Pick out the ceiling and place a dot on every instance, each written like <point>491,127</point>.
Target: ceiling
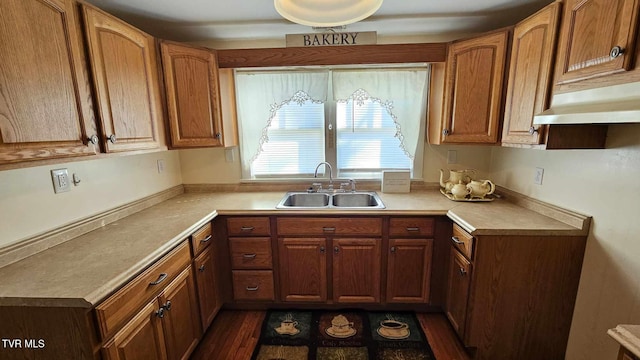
<point>221,20</point>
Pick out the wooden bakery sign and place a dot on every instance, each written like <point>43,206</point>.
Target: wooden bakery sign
<point>332,39</point>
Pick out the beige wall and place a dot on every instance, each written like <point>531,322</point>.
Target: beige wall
<point>606,185</point>
<point>28,205</point>
<point>209,166</point>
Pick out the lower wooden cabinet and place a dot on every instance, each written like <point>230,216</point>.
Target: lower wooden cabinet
<point>166,328</point>
<point>409,270</point>
<point>513,297</point>
<point>206,283</point>
<point>458,291</point>
<point>141,339</point>
<point>356,270</point>
<point>303,269</point>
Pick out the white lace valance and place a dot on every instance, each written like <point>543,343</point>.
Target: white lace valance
<point>262,93</point>
<point>401,92</point>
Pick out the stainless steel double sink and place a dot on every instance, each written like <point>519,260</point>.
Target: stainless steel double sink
<point>338,200</point>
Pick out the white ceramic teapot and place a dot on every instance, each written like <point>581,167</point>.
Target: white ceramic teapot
<point>460,191</point>
<point>480,188</point>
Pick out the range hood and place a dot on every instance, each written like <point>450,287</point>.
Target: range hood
<point>607,105</point>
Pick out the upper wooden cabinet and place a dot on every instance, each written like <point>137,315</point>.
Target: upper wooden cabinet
<point>45,98</point>
<point>193,95</point>
<point>597,39</point>
<point>473,87</point>
<point>124,67</point>
<point>529,86</point>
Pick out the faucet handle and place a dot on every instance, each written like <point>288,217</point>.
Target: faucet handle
<point>316,186</point>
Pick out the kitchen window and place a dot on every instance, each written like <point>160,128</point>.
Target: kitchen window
<point>362,121</point>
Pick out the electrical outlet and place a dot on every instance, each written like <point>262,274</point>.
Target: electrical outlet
<point>452,157</point>
<point>160,164</point>
<point>538,178</point>
<point>229,155</point>
<point>60,178</point>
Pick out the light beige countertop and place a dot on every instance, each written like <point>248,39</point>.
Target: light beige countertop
<point>83,271</point>
<point>627,336</point>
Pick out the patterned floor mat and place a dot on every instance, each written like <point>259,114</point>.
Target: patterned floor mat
<point>341,335</point>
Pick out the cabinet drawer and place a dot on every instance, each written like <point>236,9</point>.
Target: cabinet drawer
<point>253,285</point>
<point>463,241</point>
<point>411,227</point>
<point>121,306</point>
<point>329,226</point>
<point>250,253</point>
<point>248,226</point>
<point>201,238</point>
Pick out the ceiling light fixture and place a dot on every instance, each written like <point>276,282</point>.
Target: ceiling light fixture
<point>326,13</point>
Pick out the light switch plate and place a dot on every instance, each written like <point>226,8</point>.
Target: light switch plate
<point>538,178</point>
<point>61,182</point>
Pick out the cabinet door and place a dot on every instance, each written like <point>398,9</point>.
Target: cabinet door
<point>123,62</point>
<point>473,89</point>
<point>303,269</point>
<point>592,32</point>
<point>193,95</point>
<point>140,339</point>
<point>208,294</point>
<point>356,270</point>
<point>458,291</point>
<point>529,83</point>
<point>409,270</point>
<point>45,99</point>
<point>180,322</point>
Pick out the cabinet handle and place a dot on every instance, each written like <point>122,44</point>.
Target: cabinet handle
<point>209,237</point>
<point>393,249</point>
<point>249,256</point>
<point>336,249</point>
<point>445,132</point>
<point>413,229</point>
<point>322,249</point>
<point>201,268</point>
<point>247,228</point>
<point>112,138</point>
<point>218,136</point>
<point>93,139</point>
<point>160,313</point>
<point>616,51</point>
<point>328,229</point>
<point>457,240</point>
<point>533,130</point>
<point>159,280</point>
<point>463,272</point>
<point>167,305</point>
<point>255,288</point>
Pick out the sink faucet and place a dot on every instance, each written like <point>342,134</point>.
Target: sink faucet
<point>326,164</point>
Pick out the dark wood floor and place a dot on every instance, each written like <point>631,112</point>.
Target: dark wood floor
<point>234,334</point>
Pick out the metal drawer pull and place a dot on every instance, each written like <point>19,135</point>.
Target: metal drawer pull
<point>393,249</point>
<point>328,229</point>
<point>201,268</point>
<point>160,279</point>
<point>249,256</point>
<point>167,305</point>
<point>336,249</point>
<point>160,313</point>
<point>322,249</point>
<point>457,240</point>
<point>463,272</point>
<point>247,228</point>
<point>209,237</point>
<point>413,229</point>
<point>255,288</point>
